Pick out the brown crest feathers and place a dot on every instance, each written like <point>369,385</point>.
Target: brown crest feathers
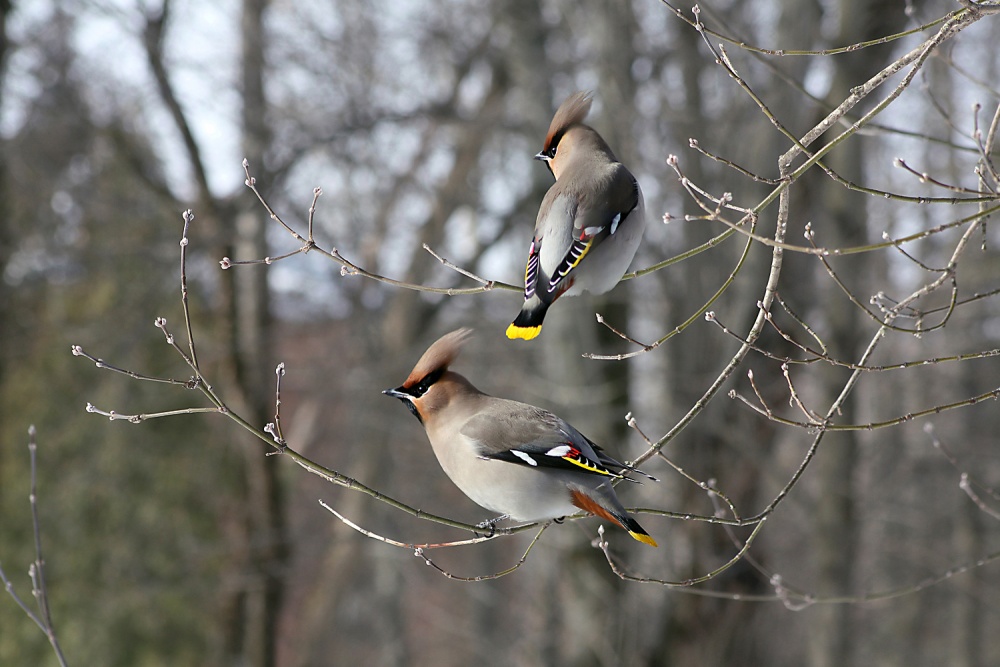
<point>572,111</point>
<point>439,355</point>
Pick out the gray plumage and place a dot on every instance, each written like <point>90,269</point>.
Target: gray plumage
<point>589,225</point>
<point>509,457</point>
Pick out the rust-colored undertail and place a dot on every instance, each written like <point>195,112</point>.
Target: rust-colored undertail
<point>588,504</point>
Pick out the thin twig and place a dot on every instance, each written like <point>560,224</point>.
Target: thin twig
<point>817,355</point>
<point>188,219</point>
<point>36,572</point>
<point>602,544</point>
<point>966,479</point>
<point>78,351</point>
<point>851,48</point>
<point>274,428</point>
<point>348,268</point>
<point>464,272</point>
<point>825,425</point>
<point>794,399</point>
<point>406,545</point>
<point>709,487</point>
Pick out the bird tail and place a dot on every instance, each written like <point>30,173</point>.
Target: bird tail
<point>589,503</point>
<point>528,322</point>
<point>636,531</point>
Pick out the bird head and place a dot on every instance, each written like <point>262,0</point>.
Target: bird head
<point>430,385</point>
<point>570,141</point>
<point>567,133</point>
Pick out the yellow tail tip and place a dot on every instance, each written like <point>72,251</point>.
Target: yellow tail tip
<point>645,539</point>
<point>526,333</point>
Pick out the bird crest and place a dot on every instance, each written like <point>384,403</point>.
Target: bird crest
<point>570,112</point>
<point>438,356</point>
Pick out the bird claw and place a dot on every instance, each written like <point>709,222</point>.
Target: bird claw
<point>491,524</point>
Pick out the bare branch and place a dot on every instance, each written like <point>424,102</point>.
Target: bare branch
<point>36,572</point>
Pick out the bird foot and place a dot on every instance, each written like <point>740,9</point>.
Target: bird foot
<point>491,524</point>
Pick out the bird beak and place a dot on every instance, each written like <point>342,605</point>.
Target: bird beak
<point>543,157</point>
<point>407,400</point>
<point>398,393</point>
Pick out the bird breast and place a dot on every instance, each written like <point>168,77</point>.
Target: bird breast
<point>525,493</point>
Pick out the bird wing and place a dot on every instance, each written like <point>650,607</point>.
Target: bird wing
<point>596,210</point>
<point>529,436</point>
<point>618,468</point>
<point>603,205</point>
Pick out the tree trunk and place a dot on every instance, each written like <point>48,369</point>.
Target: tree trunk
<point>246,301</point>
<point>840,216</point>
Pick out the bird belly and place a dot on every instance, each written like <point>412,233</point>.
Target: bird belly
<point>521,492</point>
<point>525,493</point>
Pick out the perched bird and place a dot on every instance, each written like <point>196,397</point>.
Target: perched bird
<point>590,222</point>
<point>512,458</point>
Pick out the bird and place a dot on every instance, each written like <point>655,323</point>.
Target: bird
<point>589,224</point>
<point>515,459</point>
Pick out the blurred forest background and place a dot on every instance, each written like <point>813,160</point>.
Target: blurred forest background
<point>176,541</point>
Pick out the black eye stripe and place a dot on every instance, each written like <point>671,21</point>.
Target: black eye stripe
<point>550,152</point>
<point>426,382</point>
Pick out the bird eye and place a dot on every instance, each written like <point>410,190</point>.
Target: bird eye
<point>426,383</point>
<point>551,153</point>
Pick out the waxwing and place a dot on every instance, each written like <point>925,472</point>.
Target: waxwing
<point>590,222</point>
<point>515,459</point>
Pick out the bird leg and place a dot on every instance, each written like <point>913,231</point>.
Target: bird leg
<point>492,524</point>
